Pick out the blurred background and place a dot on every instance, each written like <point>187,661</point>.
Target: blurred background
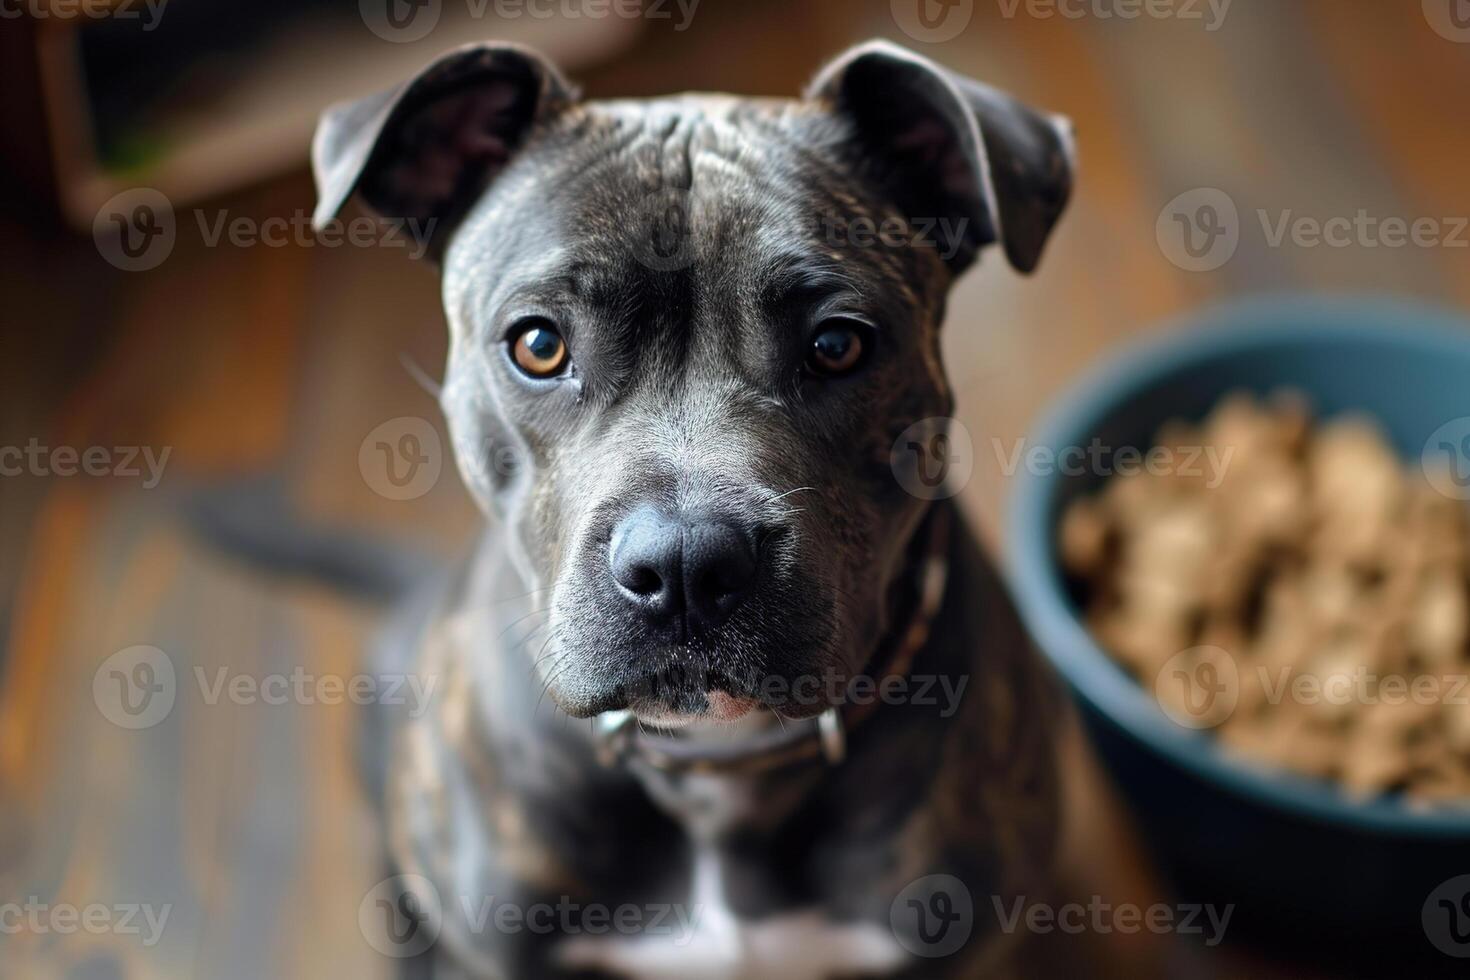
<point>267,360</point>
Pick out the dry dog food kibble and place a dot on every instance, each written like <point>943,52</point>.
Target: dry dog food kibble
<point>1315,586</point>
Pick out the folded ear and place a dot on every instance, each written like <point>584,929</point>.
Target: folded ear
<point>950,147</point>
<point>422,151</point>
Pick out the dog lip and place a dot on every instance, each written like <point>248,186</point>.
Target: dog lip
<point>722,709</point>
<point>678,706</point>
<point>706,695</point>
<point>591,707</point>
<point>727,707</point>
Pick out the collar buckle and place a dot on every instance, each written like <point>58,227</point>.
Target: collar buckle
<point>613,736</point>
<point>833,735</point>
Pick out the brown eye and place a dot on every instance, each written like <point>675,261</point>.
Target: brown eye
<point>539,350</point>
<point>838,347</point>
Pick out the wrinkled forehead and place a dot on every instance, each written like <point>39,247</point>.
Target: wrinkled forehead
<point>671,202</point>
<point>730,171</point>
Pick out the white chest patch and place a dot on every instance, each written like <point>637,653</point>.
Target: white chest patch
<point>719,946</point>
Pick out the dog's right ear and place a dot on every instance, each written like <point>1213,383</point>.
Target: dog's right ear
<point>952,147</point>
<point>421,152</point>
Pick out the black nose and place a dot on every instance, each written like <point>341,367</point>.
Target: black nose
<point>698,570</point>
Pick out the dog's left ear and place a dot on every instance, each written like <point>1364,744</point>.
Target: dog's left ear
<point>946,146</point>
<point>421,152</point>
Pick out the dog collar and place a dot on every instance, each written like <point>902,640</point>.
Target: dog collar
<point>621,741</point>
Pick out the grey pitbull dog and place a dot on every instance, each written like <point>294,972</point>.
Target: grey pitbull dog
<point>685,336</point>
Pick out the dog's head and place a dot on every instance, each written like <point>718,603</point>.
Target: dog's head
<point>685,334</point>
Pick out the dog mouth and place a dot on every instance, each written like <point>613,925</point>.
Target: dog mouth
<point>776,697</point>
<point>721,708</point>
<point>610,654</point>
<point>681,696</point>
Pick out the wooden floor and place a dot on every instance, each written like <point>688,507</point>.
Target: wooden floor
<point>244,819</point>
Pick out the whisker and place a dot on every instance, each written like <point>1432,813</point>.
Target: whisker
<point>420,376</point>
<point>790,492</point>
<point>520,619</point>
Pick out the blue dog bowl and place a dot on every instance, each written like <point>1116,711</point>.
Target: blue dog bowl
<point>1295,856</point>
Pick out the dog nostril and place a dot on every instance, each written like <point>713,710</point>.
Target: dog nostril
<point>643,580</point>
<point>730,576</point>
<point>717,584</point>
<point>721,567</point>
<point>644,558</point>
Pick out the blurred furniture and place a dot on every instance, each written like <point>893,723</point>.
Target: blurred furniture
<point>226,96</point>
